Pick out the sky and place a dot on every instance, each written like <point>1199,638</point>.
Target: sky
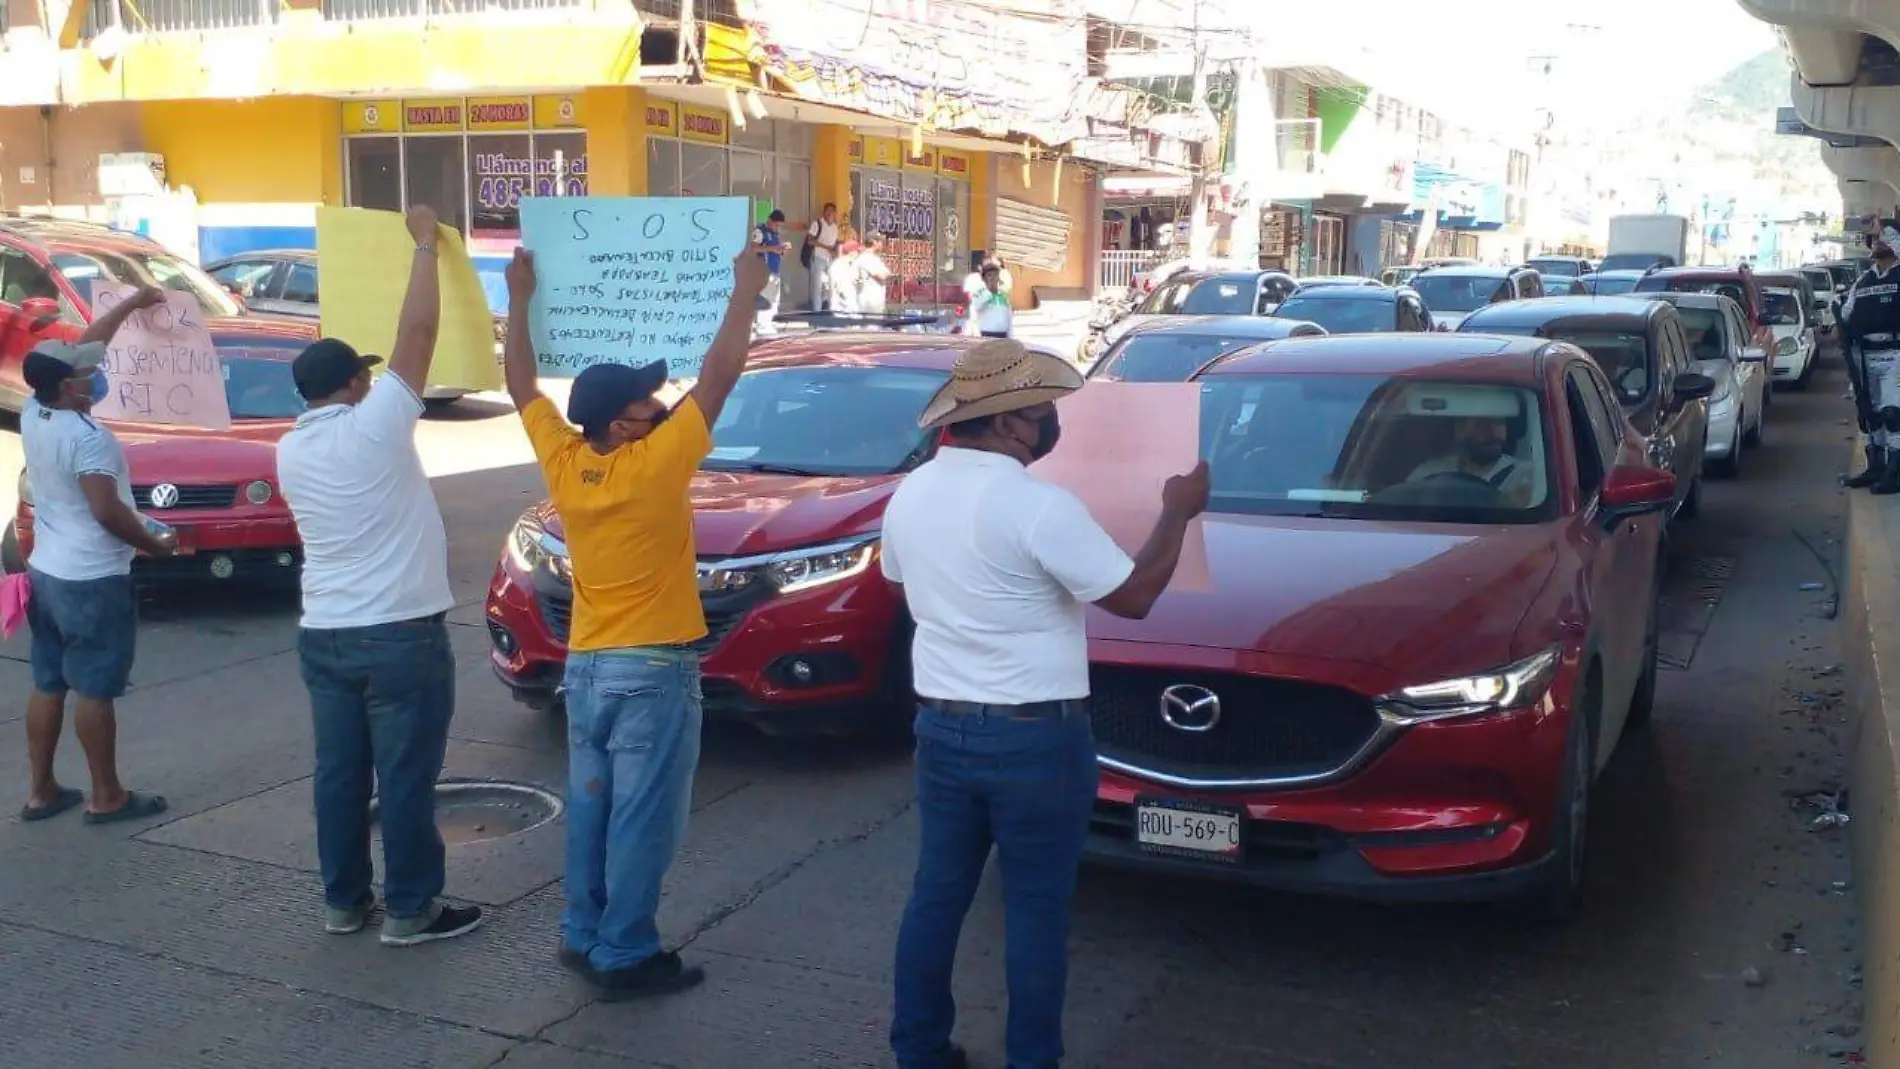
<point>1623,57</point>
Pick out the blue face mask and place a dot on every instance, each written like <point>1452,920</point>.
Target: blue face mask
<point>97,388</point>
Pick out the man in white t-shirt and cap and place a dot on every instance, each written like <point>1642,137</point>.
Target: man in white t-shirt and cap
<point>999,569</point>
<point>373,643</point>
<point>82,612</point>
<point>822,238</point>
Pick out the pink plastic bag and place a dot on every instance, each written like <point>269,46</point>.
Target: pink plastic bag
<point>15,591</point>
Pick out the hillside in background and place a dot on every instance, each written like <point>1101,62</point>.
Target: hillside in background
<point>1731,125</point>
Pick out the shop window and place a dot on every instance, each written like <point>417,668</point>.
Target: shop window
<point>795,139</point>
<point>702,170</point>
<point>663,167</point>
<point>500,173</point>
<point>560,165</point>
<point>433,175</point>
<point>751,176</point>
<point>376,173</point>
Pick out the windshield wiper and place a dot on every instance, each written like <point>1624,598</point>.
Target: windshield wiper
<point>752,468</point>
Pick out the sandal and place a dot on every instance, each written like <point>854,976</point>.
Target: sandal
<point>67,798</point>
<point>137,807</point>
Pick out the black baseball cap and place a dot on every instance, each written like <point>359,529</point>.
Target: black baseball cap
<point>326,366</point>
<point>52,362</point>
<point>603,391</point>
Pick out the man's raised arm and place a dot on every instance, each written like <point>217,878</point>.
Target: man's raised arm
<point>519,367</point>
<point>726,358</point>
<point>421,318</point>
<point>106,324</point>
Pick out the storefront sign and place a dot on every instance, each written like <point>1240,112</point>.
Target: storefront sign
<point>941,65</point>
<point>662,118</point>
<point>953,164</point>
<point>854,151</point>
<point>500,113</point>
<point>705,125</point>
<point>431,116</point>
<point>557,112</point>
<point>883,152</point>
<point>372,116</point>
<point>907,217</point>
<point>630,278</point>
<point>927,162</point>
<point>501,181</point>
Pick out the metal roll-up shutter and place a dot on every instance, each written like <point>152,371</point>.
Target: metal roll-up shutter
<point>1031,235</point>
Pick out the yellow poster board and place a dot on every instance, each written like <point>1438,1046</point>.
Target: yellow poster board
<point>363,258</point>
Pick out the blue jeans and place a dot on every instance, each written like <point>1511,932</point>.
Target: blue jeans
<point>1025,786</point>
<point>84,634</point>
<point>633,718</point>
<point>380,699</point>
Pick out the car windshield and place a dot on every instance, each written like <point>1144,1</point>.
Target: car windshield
<point>144,267</point>
<point>1781,308</point>
<point>1703,327</point>
<point>1610,287</point>
<point>1460,293</point>
<point>1375,447</point>
<point>1341,315</point>
<point>257,384</point>
<point>1552,267</point>
<point>1165,357</point>
<point>1633,261</point>
<point>824,420</point>
<point>1208,296</point>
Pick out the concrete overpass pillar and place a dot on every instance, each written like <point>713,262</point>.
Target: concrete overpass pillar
<point>1824,36</point>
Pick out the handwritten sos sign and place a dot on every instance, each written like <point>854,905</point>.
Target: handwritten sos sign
<point>629,280</point>
<point>161,367</point>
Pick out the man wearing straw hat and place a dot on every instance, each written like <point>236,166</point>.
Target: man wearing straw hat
<point>998,569</point>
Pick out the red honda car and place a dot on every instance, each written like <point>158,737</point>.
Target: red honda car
<point>805,634</point>
<point>217,488</point>
<point>1432,613</point>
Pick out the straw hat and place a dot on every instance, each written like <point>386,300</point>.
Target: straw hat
<point>995,376</point>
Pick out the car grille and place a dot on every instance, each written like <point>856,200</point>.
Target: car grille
<point>1268,728</point>
<point>557,611</point>
<point>218,496</point>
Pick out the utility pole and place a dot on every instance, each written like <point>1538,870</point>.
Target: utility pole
<point>1197,219</point>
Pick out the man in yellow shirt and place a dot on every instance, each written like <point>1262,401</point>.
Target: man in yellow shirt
<point>620,485</point>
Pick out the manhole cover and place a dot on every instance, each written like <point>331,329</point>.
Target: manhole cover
<point>475,811</point>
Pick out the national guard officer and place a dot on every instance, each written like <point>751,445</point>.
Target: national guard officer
<point>1870,327</point>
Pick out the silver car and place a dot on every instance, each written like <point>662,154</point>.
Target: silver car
<point>1719,347</point>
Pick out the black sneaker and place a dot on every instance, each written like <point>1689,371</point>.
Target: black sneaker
<point>449,923</point>
<point>574,961</point>
<point>661,974</point>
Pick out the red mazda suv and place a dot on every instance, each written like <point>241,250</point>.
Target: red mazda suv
<point>1430,614</point>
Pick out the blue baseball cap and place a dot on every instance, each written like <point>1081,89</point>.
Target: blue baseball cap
<point>603,391</point>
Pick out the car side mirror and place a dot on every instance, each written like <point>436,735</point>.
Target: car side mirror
<point>1690,386</point>
<point>1752,355</point>
<point>1635,490</point>
<point>42,311</point>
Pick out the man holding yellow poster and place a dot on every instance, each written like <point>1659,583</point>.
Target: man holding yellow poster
<point>363,256</point>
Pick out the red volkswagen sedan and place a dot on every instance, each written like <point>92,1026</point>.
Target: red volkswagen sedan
<point>805,633</point>
<point>1431,613</point>
<point>218,489</point>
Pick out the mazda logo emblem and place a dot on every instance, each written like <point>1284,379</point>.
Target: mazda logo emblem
<point>164,496</point>
<point>1186,707</point>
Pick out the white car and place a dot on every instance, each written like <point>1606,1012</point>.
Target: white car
<point>1719,348</point>
<point>1453,292</point>
<point>1795,344</point>
<point>1248,292</point>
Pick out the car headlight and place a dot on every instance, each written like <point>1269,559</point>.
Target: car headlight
<point>257,492</point>
<point>1786,347</point>
<point>1514,686</point>
<point>791,571</point>
<point>26,489</point>
<point>531,547</point>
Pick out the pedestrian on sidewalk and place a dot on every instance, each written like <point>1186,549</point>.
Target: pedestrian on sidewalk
<point>373,643</point>
<point>1870,332</point>
<point>767,234</point>
<point>632,679</point>
<point>822,240</point>
<point>844,275</point>
<point>82,612</point>
<point>998,569</point>
<point>990,312</point>
<point>873,275</point>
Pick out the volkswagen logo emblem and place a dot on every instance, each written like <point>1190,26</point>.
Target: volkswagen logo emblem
<point>164,496</point>
<point>1186,707</point>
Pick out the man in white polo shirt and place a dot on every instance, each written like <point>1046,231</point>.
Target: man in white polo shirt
<point>998,569</point>
<point>374,646</point>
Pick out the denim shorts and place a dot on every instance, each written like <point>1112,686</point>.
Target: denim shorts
<point>84,634</point>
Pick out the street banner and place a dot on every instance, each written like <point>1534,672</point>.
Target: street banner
<point>363,261</point>
<point>630,280</point>
<point>1119,475</point>
<point>161,367</point>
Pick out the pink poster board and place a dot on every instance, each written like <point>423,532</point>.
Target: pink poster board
<point>1121,441</point>
<point>161,367</point>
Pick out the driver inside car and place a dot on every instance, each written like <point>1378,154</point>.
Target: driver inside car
<point>1478,455</point>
